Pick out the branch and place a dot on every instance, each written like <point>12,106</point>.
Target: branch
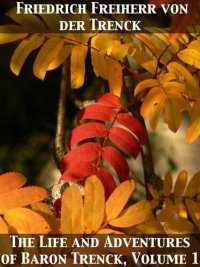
<point>147,159</point>
<point>59,148</point>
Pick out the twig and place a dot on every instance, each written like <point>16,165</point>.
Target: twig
<point>147,159</point>
<point>59,149</point>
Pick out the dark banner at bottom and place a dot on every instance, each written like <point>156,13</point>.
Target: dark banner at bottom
<point>101,250</point>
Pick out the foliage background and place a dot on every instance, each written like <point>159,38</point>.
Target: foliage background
<point>28,118</point>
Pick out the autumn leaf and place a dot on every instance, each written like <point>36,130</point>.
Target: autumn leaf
<point>193,130</point>
<point>21,197</point>
<point>10,181</point>
<point>131,216</point>
<point>46,55</point>
<point>72,211</point>
<point>94,204</point>
<point>114,76</point>
<point>165,96</point>
<point>78,57</point>
<point>23,51</point>
<point>180,184</point>
<point>194,211</point>
<point>11,33</point>
<point>167,186</point>
<point>26,221</point>
<point>120,196</point>
<point>180,226</point>
<point>193,186</point>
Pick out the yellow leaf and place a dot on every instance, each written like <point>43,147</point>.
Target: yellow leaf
<point>167,214</point>
<point>46,55</point>
<point>141,56</point>
<point>115,76</point>
<point>182,213</point>
<point>174,86</point>
<point>98,60</point>
<point>175,104</point>
<point>155,114</point>
<point>185,75</point>
<point>94,204</point>
<point>11,33</point>
<point>23,51</point>
<point>141,86</point>
<point>120,51</point>
<point>27,21</point>
<point>167,77</point>
<point>72,211</point>
<point>104,41</point>
<point>164,37</point>
<point>26,221</point>
<point>193,131</point>
<point>21,197</point>
<point>151,100</point>
<point>10,181</point>
<point>190,56</point>
<point>167,185</point>
<point>180,184</point>
<point>155,46</point>
<point>194,44</point>
<point>193,186</point>
<point>78,57</point>
<point>152,227</point>
<point>180,226</point>
<point>130,217</point>
<point>194,211</point>
<point>44,210</point>
<point>64,53</point>
<point>108,231</point>
<point>172,115</point>
<point>118,199</point>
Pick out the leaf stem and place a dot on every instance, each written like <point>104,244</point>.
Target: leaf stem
<point>59,147</point>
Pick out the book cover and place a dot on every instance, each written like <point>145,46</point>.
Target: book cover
<point>100,125</point>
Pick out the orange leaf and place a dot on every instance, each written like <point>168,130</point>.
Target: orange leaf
<point>131,216</point>
<point>72,211</point>
<point>10,181</point>
<point>118,199</point>
<point>21,197</point>
<point>94,204</point>
<point>26,221</point>
<point>44,210</point>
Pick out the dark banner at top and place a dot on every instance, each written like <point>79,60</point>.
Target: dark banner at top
<point>99,16</point>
